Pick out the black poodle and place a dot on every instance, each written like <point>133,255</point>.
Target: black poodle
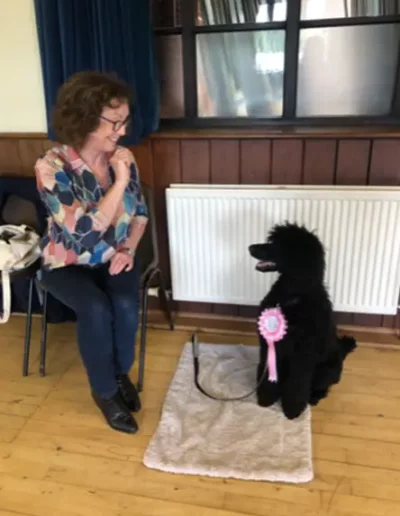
<point>310,355</point>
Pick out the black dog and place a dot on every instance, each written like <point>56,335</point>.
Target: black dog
<point>310,356</point>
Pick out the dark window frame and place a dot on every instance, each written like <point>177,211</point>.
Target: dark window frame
<point>293,26</point>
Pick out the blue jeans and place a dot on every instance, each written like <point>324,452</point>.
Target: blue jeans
<point>107,312</point>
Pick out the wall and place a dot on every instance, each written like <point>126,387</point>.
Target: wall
<point>22,107</point>
<point>355,158</point>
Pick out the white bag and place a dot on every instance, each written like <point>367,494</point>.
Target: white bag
<point>19,248</point>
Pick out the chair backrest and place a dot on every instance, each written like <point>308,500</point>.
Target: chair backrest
<point>20,203</point>
<point>148,246</point>
<point>18,211</point>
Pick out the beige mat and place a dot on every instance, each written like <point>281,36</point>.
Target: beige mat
<point>200,436</point>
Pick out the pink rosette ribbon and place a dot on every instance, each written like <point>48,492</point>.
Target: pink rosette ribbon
<point>272,326</point>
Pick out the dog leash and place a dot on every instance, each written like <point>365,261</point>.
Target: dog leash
<point>196,364</point>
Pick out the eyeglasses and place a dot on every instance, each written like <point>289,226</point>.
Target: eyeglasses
<point>118,123</point>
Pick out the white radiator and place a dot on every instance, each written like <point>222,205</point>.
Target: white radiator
<point>211,227</point>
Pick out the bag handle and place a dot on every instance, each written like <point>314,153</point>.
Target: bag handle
<point>5,279</point>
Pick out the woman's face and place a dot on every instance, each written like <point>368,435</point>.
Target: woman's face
<point>112,125</point>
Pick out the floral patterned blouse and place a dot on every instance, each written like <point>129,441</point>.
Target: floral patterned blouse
<point>77,232</point>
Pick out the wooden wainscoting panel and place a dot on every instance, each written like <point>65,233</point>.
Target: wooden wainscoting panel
<point>29,152</point>
<point>319,162</point>
<point>352,162</point>
<point>144,160</point>
<point>255,162</point>
<point>385,160</point>
<point>195,156</point>
<point>10,161</point>
<point>287,162</point>
<point>225,162</point>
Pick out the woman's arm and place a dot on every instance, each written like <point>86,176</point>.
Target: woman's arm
<point>136,232</point>
<point>84,227</point>
<point>55,187</point>
<point>140,218</point>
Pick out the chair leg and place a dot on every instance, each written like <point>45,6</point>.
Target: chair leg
<point>25,367</point>
<point>167,300</point>
<point>145,301</point>
<point>43,338</point>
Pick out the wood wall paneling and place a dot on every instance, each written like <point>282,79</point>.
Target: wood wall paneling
<point>287,162</point>
<point>144,160</point>
<point>255,162</point>
<point>385,163</point>
<point>225,162</point>
<point>18,155</point>
<point>353,162</point>
<point>319,162</point>
<point>342,160</point>
<point>195,155</point>
<point>10,161</point>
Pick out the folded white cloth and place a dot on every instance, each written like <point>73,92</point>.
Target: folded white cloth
<point>197,435</point>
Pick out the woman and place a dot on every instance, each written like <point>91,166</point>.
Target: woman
<point>97,217</point>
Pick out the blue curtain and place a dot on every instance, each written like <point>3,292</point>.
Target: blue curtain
<point>104,35</point>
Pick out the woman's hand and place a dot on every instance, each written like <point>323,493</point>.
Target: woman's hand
<point>121,261</point>
<point>121,162</point>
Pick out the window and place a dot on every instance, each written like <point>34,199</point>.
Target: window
<point>247,62</point>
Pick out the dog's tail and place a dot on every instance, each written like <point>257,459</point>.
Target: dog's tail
<point>347,345</point>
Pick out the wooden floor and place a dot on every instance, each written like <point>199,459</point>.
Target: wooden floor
<point>58,458</point>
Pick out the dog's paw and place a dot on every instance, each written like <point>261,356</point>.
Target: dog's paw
<point>265,402</point>
<point>293,410</point>
<point>293,414</point>
<point>317,396</point>
<point>267,394</point>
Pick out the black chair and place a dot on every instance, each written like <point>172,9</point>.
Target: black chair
<point>150,278</point>
<point>17,211</point>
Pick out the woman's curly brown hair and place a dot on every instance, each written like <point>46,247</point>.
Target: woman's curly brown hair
<point>80,102</point>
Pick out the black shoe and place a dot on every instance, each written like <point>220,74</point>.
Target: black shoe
<point>129,393</point>
<point>116,413</point>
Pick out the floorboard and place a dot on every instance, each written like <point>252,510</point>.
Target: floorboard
<point>58,458</point>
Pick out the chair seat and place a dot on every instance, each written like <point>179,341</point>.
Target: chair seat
<point>28,272</point>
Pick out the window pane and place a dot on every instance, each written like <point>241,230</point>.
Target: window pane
<point>169,53</point>
<point>320,9</point>
<point>347,70</point>
<point>220,12</point>
<point>240,74</point>
<point>166,13</point>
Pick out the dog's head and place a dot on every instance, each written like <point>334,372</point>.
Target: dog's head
<point>293,251</point>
